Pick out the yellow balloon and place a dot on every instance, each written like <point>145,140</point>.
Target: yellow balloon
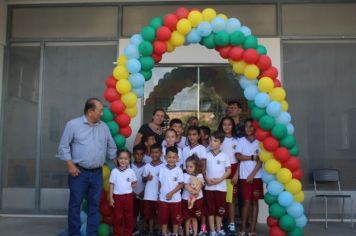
<point>265,155</point>
<point>294,186</point>
<point>120,72</point>
<point>122,60</point>
<point>251,71</point>
<point>209,14</point>
<point>231,61</point>
<point>176,39</point>
<point>265,84</point>
<point>284,175</point>
<point>299,197</point>
<point>195,17</point>
<point>129,99</point>
<point>131,111</point>
<point>277,94</point>
<point>285,105</point>
<point>170,47</point>
<point>272,166</point>
<point>260,144</point>
<point>123,86</point>
<point>106,185</point>
<point>106,172</point>
<point>239,66</point>
<point>223,16</point>
<point>184,26</point>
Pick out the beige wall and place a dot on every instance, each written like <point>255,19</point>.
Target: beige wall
<point>3,11</point>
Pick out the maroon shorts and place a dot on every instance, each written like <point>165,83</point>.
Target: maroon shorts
<point>195,212</point>
<point>253,191</point>
<point>150,209</point>
<point>216,202</point>
<point>169,210</point>
<point>233,171</point>
<point>123,214</point>
<point>138,207</point>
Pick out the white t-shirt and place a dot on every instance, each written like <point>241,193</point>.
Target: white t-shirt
<point>248,148</point>
<point>139,173</point>
<point>147,159</point>
<point>187,177</point>
<point>169,179</point>
<point>215,168</point>
<point>122,180</point>
<point>181,144</point>
<point>151,189</point>
<point>180,156</point>
<point>197,149</point>
<point>229,148</point>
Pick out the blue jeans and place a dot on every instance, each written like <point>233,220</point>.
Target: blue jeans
<point>86,183</point>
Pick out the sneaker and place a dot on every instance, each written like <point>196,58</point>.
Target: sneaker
<point>203,233</point>
<point>221,233</point>
<point>231,227</point>
<point>213,233</point>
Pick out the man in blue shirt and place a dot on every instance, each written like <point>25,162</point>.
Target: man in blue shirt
<point>85,144</point>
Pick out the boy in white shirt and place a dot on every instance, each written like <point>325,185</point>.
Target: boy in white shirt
<point>148,140</point>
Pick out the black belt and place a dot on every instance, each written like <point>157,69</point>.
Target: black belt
<point>87,169</point>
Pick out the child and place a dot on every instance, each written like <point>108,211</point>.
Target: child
<point>148,141</point>
<point>138,167</point>
<point>204,136</point>
<point>150,176</point>
<point>250,176</point>
<point>217,170</point>
<point>177,125</point>
<point>122,181</point>
<point>192,214</point>
<point>194,147</point>
<point>170,184</point>
<point>170,138</point>
<point>227,126</point>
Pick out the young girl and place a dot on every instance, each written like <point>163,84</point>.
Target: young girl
<point>122,181</point>
<point>194,147</point>
<point>170,138</point>
<point>226,126</point>
<point>204,136</point>
<point>192,215</point>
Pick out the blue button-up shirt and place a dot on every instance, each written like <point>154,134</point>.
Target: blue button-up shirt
<point>86,144</point>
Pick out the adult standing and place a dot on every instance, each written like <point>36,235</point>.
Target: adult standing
<point>154,127</point>
<point>233,110</point>
<point>85,143</point>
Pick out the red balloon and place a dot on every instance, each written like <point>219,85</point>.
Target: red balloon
<point>297,174</point>
<point>170,21</point>
<point>271,72</point>
<point>108,219</point>
<point>282,154</point>
<point>163,33</point>
<point>264,62</point>
<point>126,131</point>
<point>103,196</point>
<point>105,209</point>
<point>236,53</point>
<point>292,164</point>
<point>255,124</point>
<point>159,47</point>
<point>272,221</point>
<point>250,56</point>
<point>110,82</point>
<point>270,144</point>
<point>262,134</point>
<point>277,83</point>
<point>123,120</point>
<point>111,95</point>
<point>117,107</point>
<point>156,58</point>
<point>225,51</point>
<point>182,12</point>
<point>276,231</point>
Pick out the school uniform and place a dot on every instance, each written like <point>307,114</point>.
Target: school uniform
<point>198,207</point>
<point>180,156</point>
<point>140,187</point>
<point>229,148</point>
<point>197,149</point>
<point>147,159</point>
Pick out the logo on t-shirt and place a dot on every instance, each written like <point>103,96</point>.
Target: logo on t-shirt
<point>128,179</point>
<point>218,162</point>
<point>175,179</point>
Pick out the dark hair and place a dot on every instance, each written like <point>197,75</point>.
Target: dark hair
<point>157,110</point>
<point>156,146</point>
<point>139,147</point>
<point>172,149</point>
<point>248,120</point>
<point>218,135</point>
<point>233,131</point>
<point>206,130</point>
<point>118,153</point>
<point>146,137</point>
<point>175,121</point>
<point>232,102</point>
<point>192,118</point>
<point>193,127</point>
<point>90,104</point>
<point>172,130</point>
<point>196,161</point>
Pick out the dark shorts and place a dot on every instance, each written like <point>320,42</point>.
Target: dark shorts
<point>195,212</point>
<point>216,202</point>
<point>253,191</point>
<point>150,209</point>
<point>169,210</point>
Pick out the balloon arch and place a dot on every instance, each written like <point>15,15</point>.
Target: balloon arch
<point>262,89</point>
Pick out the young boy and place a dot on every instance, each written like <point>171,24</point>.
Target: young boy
<point>204,136</point>
<point>250,176</point>
<point>148,141</point>
<point>150,176</point>
<point>170,184</point>
<point>177,125</point>
<point>217,170</point>
<point>194,147</point>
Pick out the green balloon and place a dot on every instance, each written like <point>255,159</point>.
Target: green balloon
<point>209,41</point>
<point>147,63</point>
<point>267,122</point>
<point>270,199</point>
<point>287,222</point>
<point>251,104</point>
<point>148,33</point>
<point>120,141</point>
<point>261,50</point>
<point>237,38</point>
<point>147,74</point>
<point>156,22</point>
<point>107,115</point>
<point>279,131</point>
<point>276,211</point>
<point>294,151</point>
<point>250,42</point>
<point>222,38</point>
<point>296,232</point>
<point>104,230</point>
<point>288,141</point>
<point>85,205</point>
<point>257,113</point>
<point>113,127</point>
<point>145,48</point>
